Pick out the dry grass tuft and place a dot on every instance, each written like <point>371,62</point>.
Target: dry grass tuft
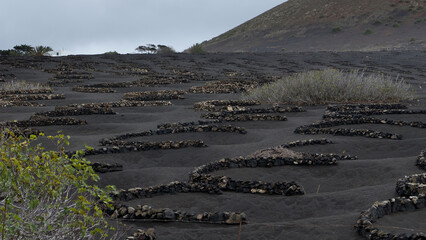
<point>333,86</point>
<point>22,86</point>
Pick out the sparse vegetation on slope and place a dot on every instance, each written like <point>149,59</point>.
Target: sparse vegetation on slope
<point>333,86</point>
<point>196,49</point>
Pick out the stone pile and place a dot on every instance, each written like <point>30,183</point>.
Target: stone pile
<point>140,234</point>
<point>154,95</point>
<point>75,111</point>
<point>88,89</point>
<point>229,117</point>
<point>145,146</point>
<point>224,87</point>
<point>122,211</point>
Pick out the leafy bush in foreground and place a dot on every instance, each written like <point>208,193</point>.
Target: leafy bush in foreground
<point>333,86</point>
<point>46,194</point>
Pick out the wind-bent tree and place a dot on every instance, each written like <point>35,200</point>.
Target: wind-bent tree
<point>23,49</point>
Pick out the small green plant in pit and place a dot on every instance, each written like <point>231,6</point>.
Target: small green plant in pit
<point>196,49</point>
<point>377,22</point>
<point>332,86</point>
<point>418,21</point>
<point>368,31</point>
<point>48,194</point>
<point>22,86</point>
<point>336,29</point>
<point>412,39</point>
<point>396,25</point>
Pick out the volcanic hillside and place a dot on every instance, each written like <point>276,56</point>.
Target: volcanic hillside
<point>329,25</point>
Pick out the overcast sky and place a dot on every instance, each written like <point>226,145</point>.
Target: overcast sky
<point>98,26</point>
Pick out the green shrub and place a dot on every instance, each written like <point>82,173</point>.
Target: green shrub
<point>196,49</point>
<point>368,31</point>
<point>111,53</point>
<point>48,194</point>
<point>396,25</point>
<point>332,86</point>
<point>377,22</point>
<point>336,29</point>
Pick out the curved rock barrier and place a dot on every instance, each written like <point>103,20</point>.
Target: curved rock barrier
<point>350,114</point>
<point>44,121</point>
<point>354,107</point>
<point>183,124</point>
<point>140,234</point>
<point>229,117</point>
<point>171,128</point>
<point>412,191</point>
<point>421,160</point>
<point>359,119</point>
<point>242,162</point>
<point>144,146</point>
<point>19,104</point>
<point>224,183</point>
<point>87,89</point>
<point>26,132</point>
<point>106,167</point>
<point>76,111</point>
<point>224,87</point>
<point>33,91</point>
<point>154,95</point>
<point>33,97</point>
<point>122,211</point>
<point>411,185</point>
<point>63,82</point>
<point>300,143</point>
<point>212,185</point>
<point>212,104</point>
<point>122,103</point>
<point>308,129</point>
